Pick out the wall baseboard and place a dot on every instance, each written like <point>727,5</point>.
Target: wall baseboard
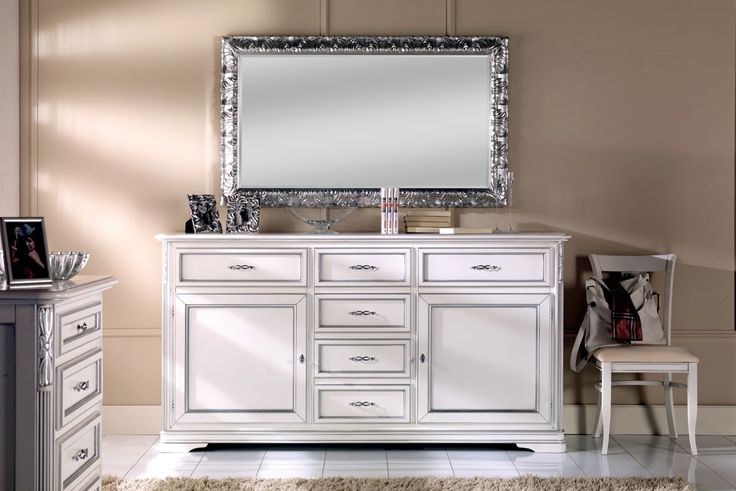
<point>625,420</point>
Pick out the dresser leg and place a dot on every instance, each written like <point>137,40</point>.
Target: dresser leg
<point>544,447</point>
<point>178,447</point>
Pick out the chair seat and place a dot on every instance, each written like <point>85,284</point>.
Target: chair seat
<point>644,353</point>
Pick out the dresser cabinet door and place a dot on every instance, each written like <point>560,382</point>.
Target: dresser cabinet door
<point>484,358</point>
<point>240,358</point>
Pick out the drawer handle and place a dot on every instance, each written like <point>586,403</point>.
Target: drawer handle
<point>362,358</point>
<point>486,267</point>
<point>82,386</point>
<point>82,327</point>
<point>422,358</point>
<point>362,403</point>
<point>363,267</point>
<point>241,267</point>
<point>81,455</point>
<point>301,359</point>
<point>358,313</point>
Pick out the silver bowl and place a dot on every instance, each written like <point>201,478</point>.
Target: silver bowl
<point>66,265</point>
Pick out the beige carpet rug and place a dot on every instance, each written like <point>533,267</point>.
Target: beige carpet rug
<point>110,483</point>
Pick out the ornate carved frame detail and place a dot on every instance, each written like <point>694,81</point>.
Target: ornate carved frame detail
<point>495,47</point>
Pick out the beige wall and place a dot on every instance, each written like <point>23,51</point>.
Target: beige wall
<point>622,134</point>
<point>9,108</point>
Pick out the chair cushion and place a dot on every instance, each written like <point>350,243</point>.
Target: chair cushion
<point>644,353</point>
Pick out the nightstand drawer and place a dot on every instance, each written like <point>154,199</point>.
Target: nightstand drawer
<point>353,266</point>
<point>244,267</point>
<point>374,358</point>
<point>367,403</point>
<point>77,452</point>
<point>80,387</point>
<point>471,266</point>
<point>79,326</point>
<point>353,313</point>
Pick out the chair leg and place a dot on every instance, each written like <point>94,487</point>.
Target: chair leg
<point>598,419</point>
<point>692,404</point>
<point>606,404</point>
<point>669,405</point>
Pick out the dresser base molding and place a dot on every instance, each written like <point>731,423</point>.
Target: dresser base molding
<point>538,442</point>
<point>362,339</point>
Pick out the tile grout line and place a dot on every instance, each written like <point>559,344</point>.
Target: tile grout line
<point>324,463</point>
<point>697,457</point>
<point>452,467</point>
<point>518,472</point>
<point>632,456</point>
<point>198,462</point>
<point>385,452</point>
<point>149,447</point>
<point>260,464</point>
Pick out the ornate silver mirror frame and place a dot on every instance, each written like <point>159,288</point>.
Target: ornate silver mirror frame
<point>495,47</point>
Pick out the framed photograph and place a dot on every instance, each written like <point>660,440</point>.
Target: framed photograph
<point>243,213</point>
<point>205,217</point>
<point>25,251</point>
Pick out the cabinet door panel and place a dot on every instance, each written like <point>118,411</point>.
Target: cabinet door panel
<point>235,352</point>
<point>481,356</point>
<point>239,358</point>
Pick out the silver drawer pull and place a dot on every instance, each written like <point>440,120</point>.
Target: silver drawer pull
<point>486,267</point>
<point>82,327</point>
<point>362,358</point>
<point>363,267</point>
<point>81,455</point>
<point>241,267</point>
<point>82,386</point>
<point>358,313</point>
<point>362,403</point>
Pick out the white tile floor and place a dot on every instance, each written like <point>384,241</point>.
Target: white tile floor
<point>714,469</point>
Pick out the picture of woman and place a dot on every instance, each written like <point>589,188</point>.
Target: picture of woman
<point>25,252</point>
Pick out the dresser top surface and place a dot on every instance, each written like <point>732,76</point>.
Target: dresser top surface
<point>58,290</point>
<point>337,239</point>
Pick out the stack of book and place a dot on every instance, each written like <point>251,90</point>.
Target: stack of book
<point>427,221</point>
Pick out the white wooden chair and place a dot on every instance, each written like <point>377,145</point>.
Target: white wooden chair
<point>645,358</point>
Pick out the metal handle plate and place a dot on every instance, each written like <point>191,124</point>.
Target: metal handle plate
<point>362,403</point>
<point>82,327</point>
<point>241,267</point>
<point>81,455</point>
<point>362,358</point>
<point>486,267</point>
<point>358,313</point>
<point>363,267</point>
<point>422,358</point>
<point>82,386</point>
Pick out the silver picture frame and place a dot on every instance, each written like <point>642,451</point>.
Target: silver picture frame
<point>243,213</point>
<point>495,47</point>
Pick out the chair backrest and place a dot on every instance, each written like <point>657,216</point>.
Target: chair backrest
<point>642,264</point>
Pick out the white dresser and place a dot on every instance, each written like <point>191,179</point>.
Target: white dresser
<point>362,338</point>
<point>51,346</point>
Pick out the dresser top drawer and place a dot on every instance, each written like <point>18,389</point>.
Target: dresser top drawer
<point>244,266</point>
<point>485,266</point>
<point>368,267</point>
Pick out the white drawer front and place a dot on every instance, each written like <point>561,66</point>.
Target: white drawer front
<point>79,327</point>
<point>77,452</point>
<point>244,267</point>
<point>353,313</point>
<point>335,404</point>
<point>80,383</point>
<point>471,266</point>
<point>338,358</point>
<point>350,267</point>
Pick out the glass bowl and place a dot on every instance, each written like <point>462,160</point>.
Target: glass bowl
<point>66,265</point>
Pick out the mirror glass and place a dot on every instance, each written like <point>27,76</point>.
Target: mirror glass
<point>328,121</point>
<point>357,121</point>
